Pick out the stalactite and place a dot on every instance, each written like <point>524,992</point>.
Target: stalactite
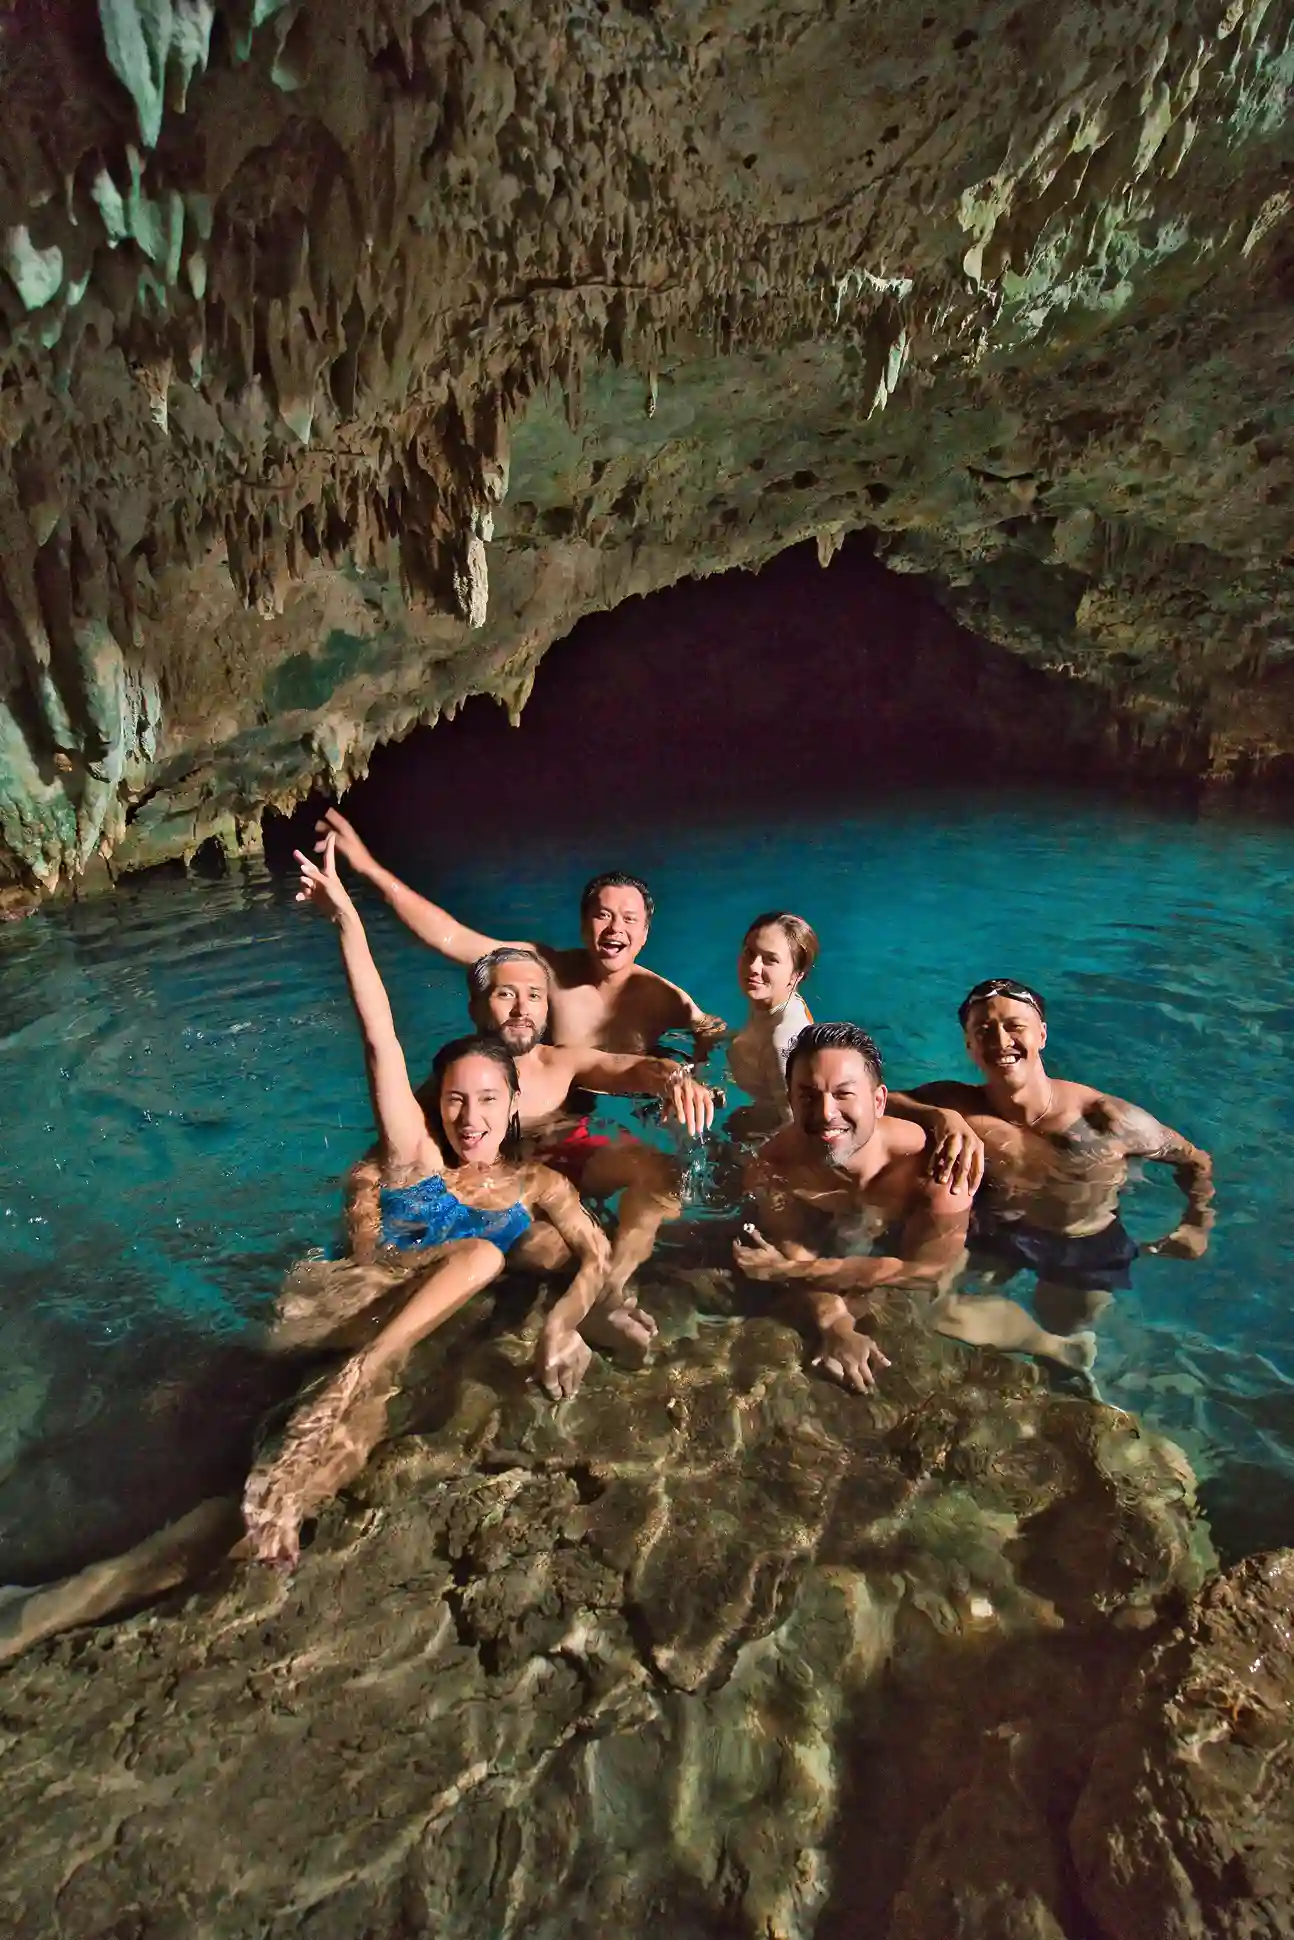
<point>284,290</point>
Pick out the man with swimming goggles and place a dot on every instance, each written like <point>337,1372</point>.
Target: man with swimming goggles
<point>1056,1159</point>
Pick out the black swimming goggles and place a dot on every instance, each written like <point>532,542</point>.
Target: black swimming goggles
<point>999,987</point>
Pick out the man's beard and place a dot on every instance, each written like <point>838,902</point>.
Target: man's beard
<point>519,1038</point>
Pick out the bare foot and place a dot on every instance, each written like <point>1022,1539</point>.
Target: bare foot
<point>619,1325</point>
<point>1079,1350</point>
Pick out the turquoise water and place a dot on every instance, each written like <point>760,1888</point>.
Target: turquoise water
<point>181,1090</point>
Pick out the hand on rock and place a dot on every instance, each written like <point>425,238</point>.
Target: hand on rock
<point>561,1362</point>
<point>758,1259</point>
<point>619,1323</point>
<point>849,1358</point>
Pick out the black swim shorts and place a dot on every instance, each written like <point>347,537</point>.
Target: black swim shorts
<point>1089,1262</point>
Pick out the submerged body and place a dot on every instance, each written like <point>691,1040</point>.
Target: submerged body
<point>757,1055</point>
<point>510,1001</point>
<point>1056,1161</point>
<point>429,1214</point>
<point>452,1203</point>
<point>777,953</point>
<point>842,1179</point>
<point>1072,914</point>
<point>598,998</point>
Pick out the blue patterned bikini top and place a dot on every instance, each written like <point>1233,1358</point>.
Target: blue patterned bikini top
<point>428,1214</point>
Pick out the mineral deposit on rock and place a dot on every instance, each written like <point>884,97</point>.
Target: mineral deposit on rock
<point>714,1649</point>
<point>350,351</point>
<point>1186,1826</point>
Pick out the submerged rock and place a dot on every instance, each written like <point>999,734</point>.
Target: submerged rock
<point>713,1649</point>
<point>1186,1825</point>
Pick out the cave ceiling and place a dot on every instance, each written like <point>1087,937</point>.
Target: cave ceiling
<point>350,352</point>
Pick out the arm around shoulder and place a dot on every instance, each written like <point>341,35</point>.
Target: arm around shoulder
<point>956,1150</point>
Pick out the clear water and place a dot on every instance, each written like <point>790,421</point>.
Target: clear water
<point>181,1090</point>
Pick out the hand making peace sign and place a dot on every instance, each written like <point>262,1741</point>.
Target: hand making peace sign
<point>322,886</point>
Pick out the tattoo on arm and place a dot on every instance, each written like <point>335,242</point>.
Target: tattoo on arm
<point>1144,1137</point>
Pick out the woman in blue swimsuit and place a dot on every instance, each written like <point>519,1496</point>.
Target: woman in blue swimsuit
<point>453,1202</point>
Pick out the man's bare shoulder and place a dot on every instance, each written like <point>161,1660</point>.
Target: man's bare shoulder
<point>901,1139</point>
<point>781,1145</point>
<point>1068,1094</point>
<point>676,1008</point>
<point>558,1060</point>
<point>539,1185</point>
<point>648,986</point>
<point>905,1171</point>
<point>568,968</point>
<point>1134,1129</point>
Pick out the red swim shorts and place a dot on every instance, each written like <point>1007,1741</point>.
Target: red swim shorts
<point>571,1154</point>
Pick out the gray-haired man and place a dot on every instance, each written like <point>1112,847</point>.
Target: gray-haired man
<point>509,992</point>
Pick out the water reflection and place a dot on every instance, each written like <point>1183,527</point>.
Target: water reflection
<point>181,1094</point>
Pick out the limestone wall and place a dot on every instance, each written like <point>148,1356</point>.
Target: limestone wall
<point>350,351</point>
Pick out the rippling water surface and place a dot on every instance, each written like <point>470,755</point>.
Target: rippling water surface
<point>181,1088</point>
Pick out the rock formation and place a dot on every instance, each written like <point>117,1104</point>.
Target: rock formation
<point>715,1649</point>
<point>350,351</point>
<point>1186,1825</point>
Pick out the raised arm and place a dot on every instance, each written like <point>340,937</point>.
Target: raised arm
<point>402,1128</point>
<point>1143,1137</point>
<point>428,921</point>
<point>683,1095</point>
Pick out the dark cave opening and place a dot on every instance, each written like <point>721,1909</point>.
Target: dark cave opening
<point>771,691</point>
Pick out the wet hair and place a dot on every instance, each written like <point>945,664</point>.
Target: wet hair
<point>478,973</point>
<point>801,936</point>
<point>1000,987</point>
<point>615,879</point>
<point>836,1037</point>
<point>477,1046</point>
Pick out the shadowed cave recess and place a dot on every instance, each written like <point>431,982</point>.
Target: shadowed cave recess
<point>353,356</point>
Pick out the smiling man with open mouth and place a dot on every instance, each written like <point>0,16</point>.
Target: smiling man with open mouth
<point>848,1208</point>
<point>1056,1159</point>
<point>601,995</point>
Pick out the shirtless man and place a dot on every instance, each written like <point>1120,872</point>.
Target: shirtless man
<point>843,1173</point>
<point>510,999</point>
<point>509,995</point>
<point>1056,1157</point>
<point>601,994</point>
